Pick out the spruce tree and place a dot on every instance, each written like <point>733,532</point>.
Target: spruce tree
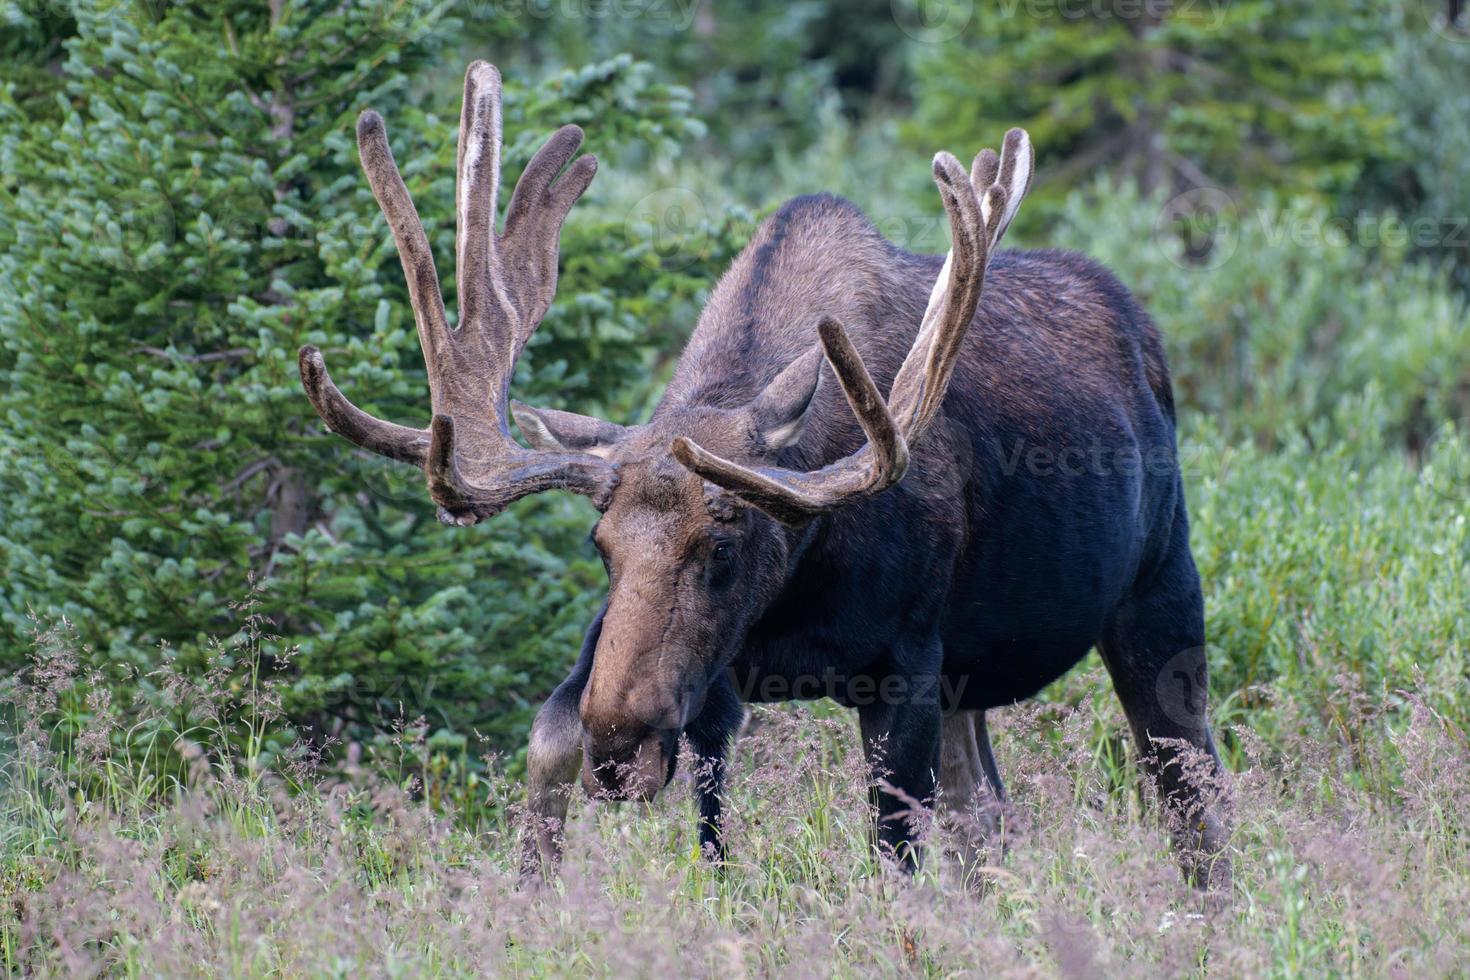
<point>1176,96</point>
<point>183,208</point>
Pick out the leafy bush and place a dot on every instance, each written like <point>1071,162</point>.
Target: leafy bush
<point>1331,568</point>
<point>1277,317</point>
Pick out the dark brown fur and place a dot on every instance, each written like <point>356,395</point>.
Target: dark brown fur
<point>1009,574</point>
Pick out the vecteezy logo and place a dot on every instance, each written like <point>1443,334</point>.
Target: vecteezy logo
<point>932,21</point>
<point>1205,224</point>
<point>1181,687</point>
<point>673,222</point>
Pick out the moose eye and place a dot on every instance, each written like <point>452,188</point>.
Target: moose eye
<point>723,551</point>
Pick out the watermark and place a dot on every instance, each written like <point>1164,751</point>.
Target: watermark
<point>933,21</point>
<point>855,690</point>
<point>1181,688</point>
<point>1366,230</point>
<point>1198,229</point>
<point>1091,457</point>
<point>1202,229</point>
<point>677,14</point>
<point>673,222</point>
<point>927,234</point>
<point>133,229</point>
<point>1209,14</point>
<point>413,21</point>
<point>1446,469</point>
<point>939,21</point>
<point>1450,19</point>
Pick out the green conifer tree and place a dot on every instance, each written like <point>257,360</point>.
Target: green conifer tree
<point>182,209</point>
<point>1175,95</point>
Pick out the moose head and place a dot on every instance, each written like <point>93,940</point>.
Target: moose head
<point>702,514</point>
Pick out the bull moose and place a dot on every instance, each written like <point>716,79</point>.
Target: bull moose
<point>841,492</point>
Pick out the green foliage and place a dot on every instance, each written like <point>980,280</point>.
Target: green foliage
<point>1427,181</point>
<point>746,64</point>
<point>181,215</point>
<point>1277,318</point>
<point>1244,94</point>
<point>1332,567</point>
<point>768,77</point>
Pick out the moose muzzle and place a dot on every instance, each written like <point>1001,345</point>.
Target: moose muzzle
<point>631,719</point>
<point>633,768</point>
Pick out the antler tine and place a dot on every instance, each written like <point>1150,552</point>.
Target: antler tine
<point>1017,168</point>
<point>890,450</point>
<point>539,206</point>
<point>341,416</point>
<point>352,423</point>
<point>408,234</point>
<point>980,205</point>
<point>919,387</point>
<point>795,497</point>
<point>477,180</point>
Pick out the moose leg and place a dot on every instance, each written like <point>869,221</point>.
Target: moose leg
<point>901,740</point>
<point>987,757</point>
<point>553,761</point>
<point>971,791</point>
<point>1154,648</point>
<point>710,735</point>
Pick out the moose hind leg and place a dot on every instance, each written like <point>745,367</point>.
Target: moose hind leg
<point>1154,649</point>
<point>971,795</point>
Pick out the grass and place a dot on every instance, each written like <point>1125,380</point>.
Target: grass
<point>1337,611</point>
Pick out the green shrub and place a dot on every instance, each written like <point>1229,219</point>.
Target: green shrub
<point>1283,317</point>
<point>1249,94</point>
<point>1332,568</point>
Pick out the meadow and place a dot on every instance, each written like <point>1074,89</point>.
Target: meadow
<point>262,716</point>
<point>172,849</point>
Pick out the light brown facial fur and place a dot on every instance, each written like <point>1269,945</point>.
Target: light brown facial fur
<point>687,572</point>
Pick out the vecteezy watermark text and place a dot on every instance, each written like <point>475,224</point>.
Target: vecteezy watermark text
<point>855,690</point>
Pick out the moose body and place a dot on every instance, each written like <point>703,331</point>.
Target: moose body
<point>861,483</point>
<point>1043,518</point>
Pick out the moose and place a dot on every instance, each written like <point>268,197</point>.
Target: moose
<point>862,482</point>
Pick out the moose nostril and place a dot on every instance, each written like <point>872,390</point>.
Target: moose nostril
<point>637,770</point>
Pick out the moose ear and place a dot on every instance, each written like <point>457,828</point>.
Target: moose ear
<point>782,409</point>
<point>550,430</point>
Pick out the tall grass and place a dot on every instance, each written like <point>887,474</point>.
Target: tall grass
<point>182,846</point>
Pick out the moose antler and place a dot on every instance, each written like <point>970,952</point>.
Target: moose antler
<point>506,283</point>
<point>981,205</point>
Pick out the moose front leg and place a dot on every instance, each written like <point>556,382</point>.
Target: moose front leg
<point>553,761</point>
<point>710,735</point>
<point>901,740</point>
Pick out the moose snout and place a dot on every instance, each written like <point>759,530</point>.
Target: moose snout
<point>630,733</point>
<point>633,764</point>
